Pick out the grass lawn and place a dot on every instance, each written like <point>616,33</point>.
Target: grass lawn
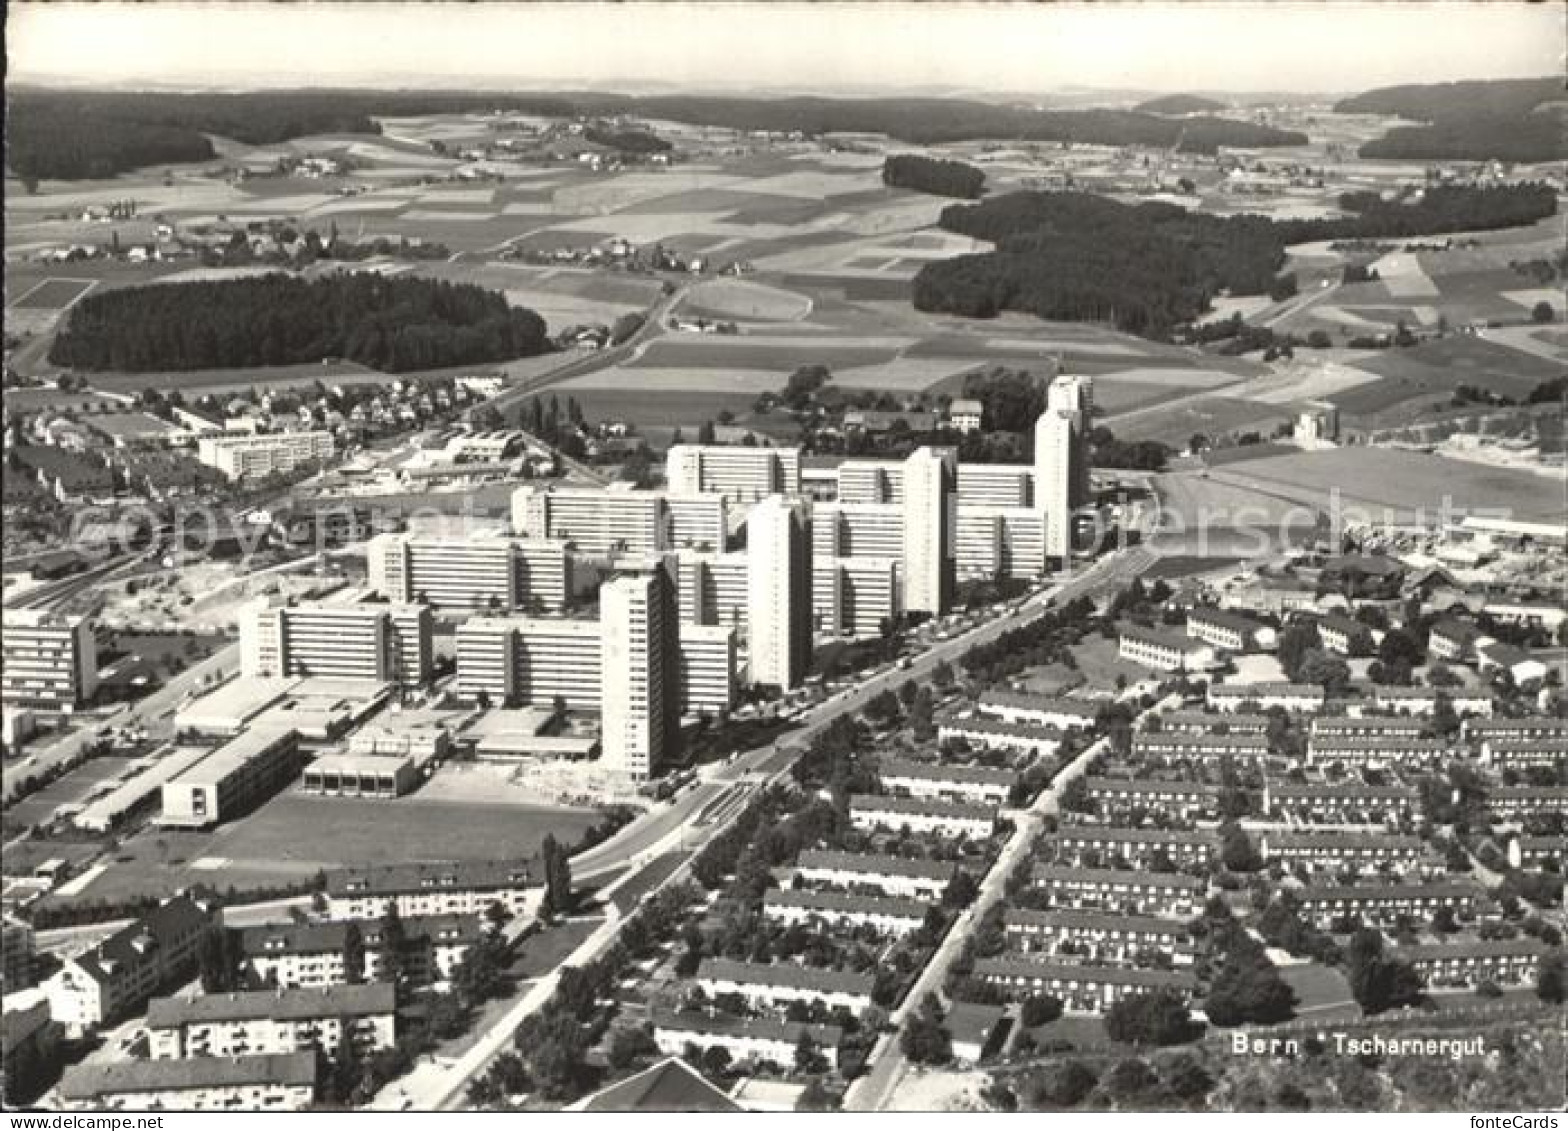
<point>1317,987</point>
<point>1083,1032</point>
<point>295,836</point>
<point>1098,667</point>
<point>546,949</point>
<point>68,790</point>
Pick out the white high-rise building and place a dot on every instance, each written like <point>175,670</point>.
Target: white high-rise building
<point>778,548</point>
<point>488,570</point>
<point>740,474</point>
<point>929,566</point>
<point>388,643</point>
<point>639,716</point>
<point>853,597</point>
<point>50,660</point>
<point>617,520</point>
<point>714,588</point>
<point>1061,463</point>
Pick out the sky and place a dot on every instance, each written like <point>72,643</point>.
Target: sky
<point>1021,48</point>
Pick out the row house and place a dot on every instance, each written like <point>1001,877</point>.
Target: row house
<point>1423,700</point>
<point>945,818</point>
<point>1148,893</point>
<point>1534,728</point>
<point>120,975</point>
<point>1515,802</point>
<point>1339,804</point>
<point>1453,640</point>
<point>891,875</point>
<point>1081,989</point>
<point>1383,904</point>
<point>1179,745</point>
<point>1106,938</point>
<point>888,915</point>
<point>1335,727</point>
<point>1503,962</point>
<point>1279,598</point>
<point>284,1082</point>
<point>467,887</point>
<point>1343,634</point>
<point>1518,754</point>
<point>1298,698</point>
<point>1138,847</point>
<point>994,734</point>
<point>1235,723</point>
<point>756,1040</point>
<point>1168,651</point>
<point>954,783</point>
<point>1232,631</point>
<point>1387,750</point>
<point>1187,800</point>
<point>1537,851</point>
<point>1038,710</point>
<point>311,954</point>
<point>761,984</point>
<point>1340,850</point>
<point>266,1022</point>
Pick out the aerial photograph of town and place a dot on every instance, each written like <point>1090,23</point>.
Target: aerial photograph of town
<point>783,557</point>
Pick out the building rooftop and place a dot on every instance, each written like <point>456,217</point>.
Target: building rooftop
<point>85,1083</point>
<point>229,757</point>
<point>868,865</point>
<point>364,1000</point>
<point>1095,784</point>
<point>837,901</point>
<point>128,946</point>
<point>669,1086</point>
<point>760,1028</point>
<point>785,975</point>
<point>1224,618</point>
<point>327,938</point>
<point>1048,873</point>
<point>915,806</point>
<point>1066,919</point>
<point>1085,709</point>
<point>1093,975</point>
<point>938,771</point>
<point>1112,834</point>
<point>461,875</point>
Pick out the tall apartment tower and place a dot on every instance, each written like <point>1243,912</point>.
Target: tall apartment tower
<point>389,643</point>
<point>640,671</point>
<point>50,660</point>
<point>778,591</point>
<point>930,568</point>
<point>1061,459</point>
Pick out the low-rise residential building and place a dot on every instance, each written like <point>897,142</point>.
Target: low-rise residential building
<point>236,778</point>
<point>1516,663</point>
<point>267,1022</point>
<point>119,975</point>
<point>1037,710</point>
<point>284,1082</point>
<point>1525,753</point>
<point>1188,800</point>
<point>1301,698</point>
<point>1232,631</point>
<point>1081,844</point>
<point>1383,904</point>
<point>1339,804</point>
<point>1080,988</point>
<point>945,818</point>
<point>1385,750</point>
<point>1132,892</point>
<point>1330,729</point>
<point>1453,640</point>
<point>890,915</point>
<point>1424,700</point>
<point>464,887</point>
<point>1233,723</point>
<point>1339,850</point>
<point>311,954</point>
<point>28,1036</point>
<point>942,780</point>
<point>779,984</point>
<point>258,455</point>
<point>1168,651</point>
<point>1175,744</point>
<point>1502,962</point>
<point>892,875</point>
<point>1537,851</point>
<point>1105,938</point>
<point>755,1039</point>
<point>1517,801</point>
<point>994,734</point>
<point>1482,732</point>
<point>1344,634</point>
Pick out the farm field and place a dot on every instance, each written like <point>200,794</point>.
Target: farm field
<point>1436,368</point>
<point>1379,479</point>
<point>198,381</point>
<point>294,836</point>
<point>1213,416</point>
<point>743,300</point>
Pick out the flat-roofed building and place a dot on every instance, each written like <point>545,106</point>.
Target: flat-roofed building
<point>1158,648</point>
<point>871,481</point>
<point>1061,463</point>
<point>888,915</point>
<point>779,984</point>
<point>386,643</point>
<point>262,454</point>
<point>945,818</point>
<point>891,875</point>
<point>237,777</point>
<point>854,598</point>
<point>312,954</point>
<point>740,474</point>
<point>929,563</point>
<point>640,674</point>
<point>360,775</point>
<point>995,542</point>
<point>715,588</point>
<point>995,485</point>
<point>268,1022</point>
<point>779,592</point>
<point>48,660</point>
<point>484,571</point>
<point>244,1083</point>
<point>856,530</point>
<point>707,669</point>
<point>464,887</point>
<point>617,520</point>
<point>530,660</point>
<point>1080,988</point>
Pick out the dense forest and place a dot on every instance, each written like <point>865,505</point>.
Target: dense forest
<point>393,324</point>
<point>1180,104</point>
<point>933,175</point>
<point>1149,268</point>
<point>1508,119</point>
<point>627,141</point>
<point>77,134</point>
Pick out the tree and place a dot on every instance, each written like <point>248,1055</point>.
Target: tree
<point>1185,1078</point>
<point>557,878</point>
<point>353,955</point>
<point>1543,312</point>
<point>628,1046</point>
<point>1237,852</point>
<point>961,890</point>
<point>1157,1017</point>
<point>808,1058</point>
<point>816,1097</point>
<point>1295,642</point>
<point>1328,670</point>
<point>1065,1085</point>
<point>1549,980</point>
<point>394,945</point>
<point>1040,1009</point>
<point>1379,982</point>
<point>715,1062</point>
<point>925,1039</point>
